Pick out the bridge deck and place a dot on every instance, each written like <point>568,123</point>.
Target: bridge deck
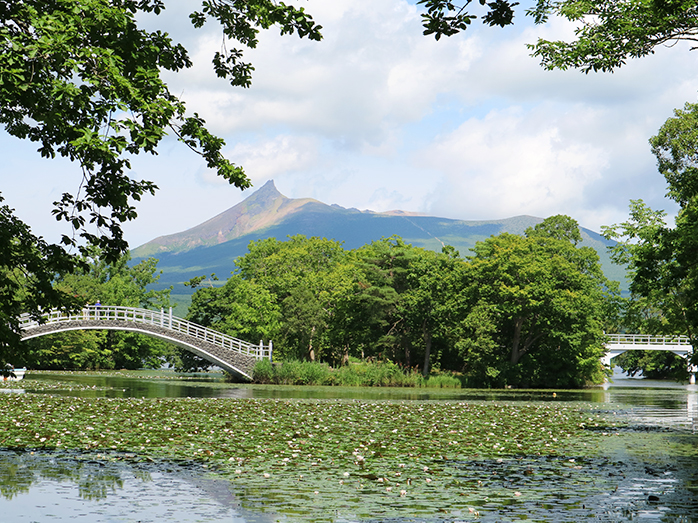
<point>647,340</point>
<point>680,345</point>
<point>232,354</point>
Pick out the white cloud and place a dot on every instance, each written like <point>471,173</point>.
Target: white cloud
<point>510,163</point>
<point>373,70</point>
<point>268,159</point>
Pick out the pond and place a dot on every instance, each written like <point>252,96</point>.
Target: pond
<point>638,461</point>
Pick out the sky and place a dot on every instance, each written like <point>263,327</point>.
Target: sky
<point>377,116</point>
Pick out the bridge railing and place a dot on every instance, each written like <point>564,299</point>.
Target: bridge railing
<point>646,339</point>
<point>158,318</point>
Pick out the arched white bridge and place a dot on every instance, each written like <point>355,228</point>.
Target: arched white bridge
<point>617,344</point>
<point>231,354</point>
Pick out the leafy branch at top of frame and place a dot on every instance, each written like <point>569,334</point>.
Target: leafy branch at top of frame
<point>83,80</point>
<point>241,21</point>
<point>607,32</point>
<point>445,18</point>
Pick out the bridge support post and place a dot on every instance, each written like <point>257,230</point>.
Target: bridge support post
<point>170,319</point>
<point>271,348</point>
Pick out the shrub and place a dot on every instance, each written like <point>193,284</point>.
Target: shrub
<point>362,374</point>
<point>310,373</point>
<point>443,381</point>
<point>263,372</point>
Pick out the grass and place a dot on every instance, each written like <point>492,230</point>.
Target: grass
<point>356,374</point>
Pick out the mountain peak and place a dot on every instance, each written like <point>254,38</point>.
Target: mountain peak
<point>268,190</point>
<point>261,209</point>
<point>269,186</point>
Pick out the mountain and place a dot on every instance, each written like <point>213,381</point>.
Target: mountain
<point>212,246</point>
<point>263,209</point>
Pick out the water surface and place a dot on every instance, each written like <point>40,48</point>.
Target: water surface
<point>649,474</point>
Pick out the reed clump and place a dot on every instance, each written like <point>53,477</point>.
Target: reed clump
<point>355,374</point>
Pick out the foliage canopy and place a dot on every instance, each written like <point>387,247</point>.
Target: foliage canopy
<point>82,80</point>
<point>607,33</point>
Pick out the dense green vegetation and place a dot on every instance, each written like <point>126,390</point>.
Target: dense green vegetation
<point>355,374</point>
<point>523,311</point>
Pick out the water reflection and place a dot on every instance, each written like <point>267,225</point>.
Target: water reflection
<point>19,471</point>
<point>563,489</point>
<point>655,398</point>
<point>48,487</point>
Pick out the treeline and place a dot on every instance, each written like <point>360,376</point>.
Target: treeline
<point>521,311</point>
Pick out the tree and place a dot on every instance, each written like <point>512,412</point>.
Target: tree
<point>83,80</point>
<point>535,309</point>
<point>304,323</point>
<point>282,265</point>
<point>241,308</point>
<point>608,31</point>
<point>300,278</point>
<point>662,259</point>
<point>28,267</point>
<point>425,305</point>
<point>382,281</point>
<point>362,319</point>
<point>398,307</point>
<point>611,31</point>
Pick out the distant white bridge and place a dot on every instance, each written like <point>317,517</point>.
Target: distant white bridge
<point>681,345</point>
<point>231,354</point>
